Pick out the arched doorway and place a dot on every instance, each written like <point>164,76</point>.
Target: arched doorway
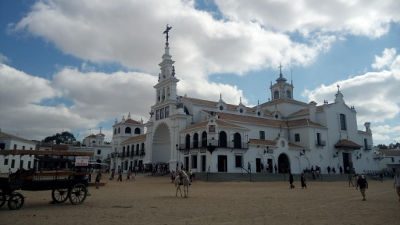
<point>283,163</point>
<point>161,147</point>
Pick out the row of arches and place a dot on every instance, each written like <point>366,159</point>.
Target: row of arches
<point>128,130</point>
<point>222,140</point>
<point>129,150</point>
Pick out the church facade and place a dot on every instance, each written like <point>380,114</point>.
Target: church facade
<point>280,135</point>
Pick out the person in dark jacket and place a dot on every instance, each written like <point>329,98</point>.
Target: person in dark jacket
<point>362,184</point>
<point>291,180</point>
<point>303,181</point>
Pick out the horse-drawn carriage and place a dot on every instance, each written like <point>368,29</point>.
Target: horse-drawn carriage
<point>67,183</point>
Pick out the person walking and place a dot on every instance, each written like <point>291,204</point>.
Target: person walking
<point>303,181</point>
<point>350,179</point>
<point>397,182</point>
<point>98,178</point>
<point>119,175</point>
<point>362,184</point>
<point>291,180</point>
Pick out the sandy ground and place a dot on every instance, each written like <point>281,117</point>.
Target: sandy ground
<point>151,200</point>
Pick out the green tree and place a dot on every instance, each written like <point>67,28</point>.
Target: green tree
<point>60,138</point>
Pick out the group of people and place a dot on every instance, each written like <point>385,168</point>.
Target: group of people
<point>361,183</point>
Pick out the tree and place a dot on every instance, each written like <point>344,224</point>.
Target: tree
<point>60,138</point>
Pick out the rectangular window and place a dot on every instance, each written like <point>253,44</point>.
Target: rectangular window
<point>23,147</point>
<point>157,114</point>
<point>297,137</point>
<point>166,112</point>
<point>161,114</point>
<point>211,129</point>
<point>99,152</point>
<point>238,161</point>
<point>29,164</point>
<point>318,138</point>
<point>5,161</point>
<point>343,125</point>
<point>15,146</point>
<point>194,161</point>
<point>262,134</point>
<point>12,163</point>
<point>366,144</point>
<point>21,164</point>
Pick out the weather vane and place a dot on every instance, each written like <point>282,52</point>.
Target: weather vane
<point>167,29</point>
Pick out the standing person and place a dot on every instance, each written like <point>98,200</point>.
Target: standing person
<point>98,178</point>
<point>119,175</point>
<point>276,169</point>
<point>128,175</point>
<point>350,179</point>
<point>303,181</point>
<point>112,174</point>
<point>362,184</point>
<point>341,169</point>
<point>397,182</point>
<point>291,180</point>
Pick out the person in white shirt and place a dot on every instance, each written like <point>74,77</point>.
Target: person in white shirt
<point>397,182</point>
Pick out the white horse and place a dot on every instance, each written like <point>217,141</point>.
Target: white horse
<point>182,179</point>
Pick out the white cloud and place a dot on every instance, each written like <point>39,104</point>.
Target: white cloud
<point>367,18</point>
<point>386,60</point>
<point>21,112</point>
<point>4,59</point>
<point>129,32</point>
<point>374,94</point>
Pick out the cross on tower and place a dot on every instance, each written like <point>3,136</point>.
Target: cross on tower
<point>280,69</point>
<point>338,88</point>
<point>167,29</point>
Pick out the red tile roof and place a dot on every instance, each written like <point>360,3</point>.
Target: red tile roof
<point>390,152</point>
<point>347,144</point>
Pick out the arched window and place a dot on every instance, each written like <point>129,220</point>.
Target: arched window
<point>289,94</point>
<point>204,139</point>
<point>127,151</point>
<point>115,130</point>
<point>237,140</point>
<point>137,130</point>
<point>222,139</point>
<point>119,130</point>
<point>132,150</point>
<point>123,151</point>
<point>127,130</point>
<point>195,140</point>
<point>221,107</point>
<point>142,150</point>
<point>137,149</point>
<point>276,94</point>
<point>187,141</point>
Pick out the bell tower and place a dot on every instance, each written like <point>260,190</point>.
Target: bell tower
<point>281,89</point>
<point>166,93</point>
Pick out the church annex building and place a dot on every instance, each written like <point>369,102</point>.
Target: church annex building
<point>280,135</point>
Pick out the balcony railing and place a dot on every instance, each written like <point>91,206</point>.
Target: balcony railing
<point>367,147</point>
<point>230,145</point>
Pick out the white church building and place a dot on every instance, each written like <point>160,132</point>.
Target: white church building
<point>280,135</point>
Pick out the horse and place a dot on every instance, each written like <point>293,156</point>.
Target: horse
<point>182,179</point>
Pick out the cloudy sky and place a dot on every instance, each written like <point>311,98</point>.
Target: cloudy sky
<point>77,65</point>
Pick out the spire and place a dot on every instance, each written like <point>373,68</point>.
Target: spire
<point>129,115</point>
<point>258,102</point>
<point>281,78</point>
<point>338,95</point>
<point>220,96</point>
<point>240,100</point>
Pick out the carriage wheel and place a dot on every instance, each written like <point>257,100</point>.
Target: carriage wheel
<point>59,195</point>
<point>78,194</point>
<point>3,198</point>
<point>16,201</point>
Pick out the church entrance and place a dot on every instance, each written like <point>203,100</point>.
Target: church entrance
<point>283,163</point>
<point>258,165</point>
<point>347,163</point>
<point>161,147</point>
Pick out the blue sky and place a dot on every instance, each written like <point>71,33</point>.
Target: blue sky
<point>82,53</point>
